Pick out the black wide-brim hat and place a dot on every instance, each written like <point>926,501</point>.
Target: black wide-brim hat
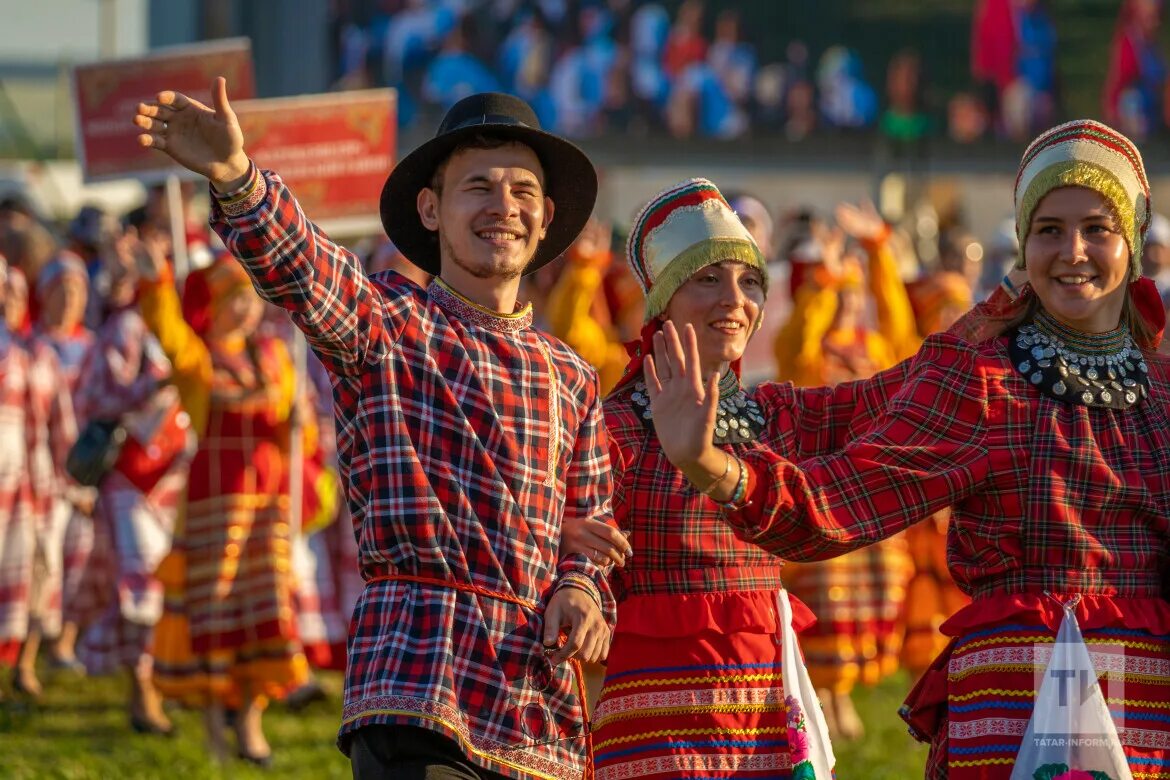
<point>569,177</point>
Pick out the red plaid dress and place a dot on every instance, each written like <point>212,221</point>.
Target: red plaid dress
<point>16,523</point>
<point>53,430</point>
<point>120,599</point>
<point>68,534</point>
<point>694,685</point>
<point>236,588</point>
<point>464,439</point>
<point>1047,496</point>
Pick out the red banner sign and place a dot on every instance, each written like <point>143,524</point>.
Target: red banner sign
<point>106,95</point>
<point>333,150</point>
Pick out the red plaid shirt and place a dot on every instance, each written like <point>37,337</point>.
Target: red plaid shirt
<point>683,544</point>
<point>464,439</point>
<point>1047,495</point>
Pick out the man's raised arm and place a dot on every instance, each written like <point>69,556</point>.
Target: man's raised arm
<point>348,321</point>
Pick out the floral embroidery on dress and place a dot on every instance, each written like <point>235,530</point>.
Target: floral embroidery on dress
<point>1062,772</point>
<point>802,768</point>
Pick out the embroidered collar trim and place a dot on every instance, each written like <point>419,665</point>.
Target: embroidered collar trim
<point>474,314</point>
<point>739,418</point>
<point>1104,370</point>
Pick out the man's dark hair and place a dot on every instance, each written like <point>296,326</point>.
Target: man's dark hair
<point>478,141</point>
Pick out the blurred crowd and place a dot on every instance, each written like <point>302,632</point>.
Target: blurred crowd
<point>625,67</point>
<point>101,331</point>
<point>145,422</point>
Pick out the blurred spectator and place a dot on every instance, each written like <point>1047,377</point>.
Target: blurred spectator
<point>1156,253</point>
<point>1133,97</point>
<point>961,253</point>
<point>802,111</point>
<point>759,362</point>
<point>649,27</point>
<point>993,48</point>
<point>16,302</point>
<point>526,57</point>
<point>699,105</point>
<point>686,44</point>
<point>352,49</point>
<point>16,217</point>
<point>846,100</point>
<point>580,76</point>
<point>618,108</point>
<point>455,73</point>
<point>904,120</point>
<point>386,257</point>
<point>1003,249</point>
<point>411,36</point>
<point>577,309</point>
<point>732,59</point>
<point>967,119</point>
<point>1036,63</point>
<point>768,92</point>
<point>1013,52</point>
<point>755,217</point>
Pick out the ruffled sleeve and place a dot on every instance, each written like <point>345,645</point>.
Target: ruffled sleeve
<point>926,452</point>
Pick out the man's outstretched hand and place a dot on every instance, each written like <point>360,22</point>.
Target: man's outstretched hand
<point>205,140</point>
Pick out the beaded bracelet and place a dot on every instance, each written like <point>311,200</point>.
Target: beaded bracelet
<point>246,198</point>
<point>581,582</point>
<point>740,492</point>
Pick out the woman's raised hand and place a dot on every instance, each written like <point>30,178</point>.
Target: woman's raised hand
<point>205,140</point>
<point>682,402</point>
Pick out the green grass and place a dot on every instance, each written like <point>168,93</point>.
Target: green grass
<point>80,732</point>
<point>887,752</point>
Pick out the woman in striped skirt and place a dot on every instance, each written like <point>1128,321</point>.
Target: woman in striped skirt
<point>703,677</point>
<point>1048,436</point>
<point>228,637</point>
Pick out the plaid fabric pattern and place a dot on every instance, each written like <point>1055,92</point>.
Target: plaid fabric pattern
<point>122,370</point>
<point>1046,496</point>
<point>132,534</point>
<point>237,591</point>
<point>72,352</point>
<point>464,439</point>
<point>77,530</point>
<point>16,524</point>
<point>118,376</point>
<point>694,684</point>
<point>858,599</point>
<point>683,543</point>
<point>53,430</point>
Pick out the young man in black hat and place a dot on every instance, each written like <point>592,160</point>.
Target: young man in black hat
<point>465,437</point>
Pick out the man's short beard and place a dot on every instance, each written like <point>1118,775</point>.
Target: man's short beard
<point>479,273</point>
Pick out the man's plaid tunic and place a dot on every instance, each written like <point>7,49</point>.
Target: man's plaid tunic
<point>465,438</point>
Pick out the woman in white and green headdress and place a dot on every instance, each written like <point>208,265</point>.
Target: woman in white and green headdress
<point>704,677</point>
<point>1048,433</point>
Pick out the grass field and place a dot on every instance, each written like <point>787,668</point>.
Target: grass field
<point>80,732</point>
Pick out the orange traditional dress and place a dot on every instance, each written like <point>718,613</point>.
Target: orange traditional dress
<point>578,315</point>
<point>228,621</point>
<point>859,597</point>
